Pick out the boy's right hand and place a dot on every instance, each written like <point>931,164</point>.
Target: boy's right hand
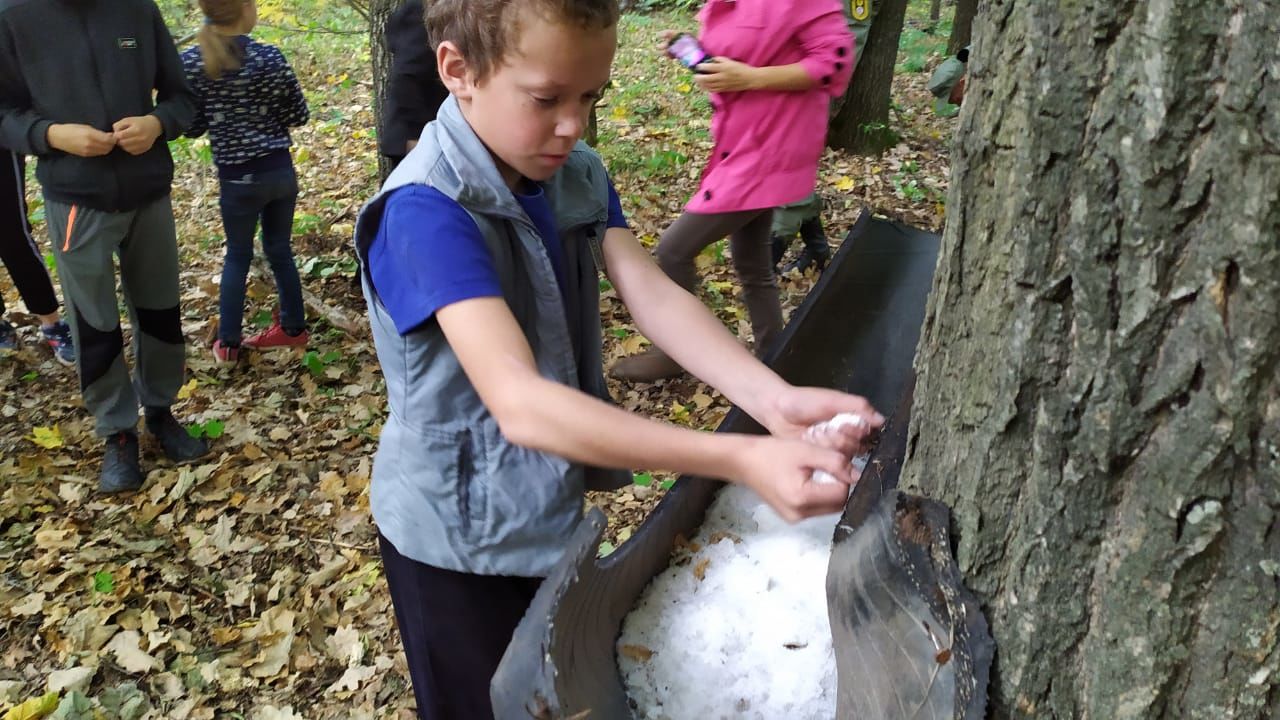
<point>780,472</point>
<point>77,139</point>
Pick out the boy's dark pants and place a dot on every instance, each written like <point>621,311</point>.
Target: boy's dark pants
<point>18,250</point>
<point>455,627</point>
<point>86,243</point>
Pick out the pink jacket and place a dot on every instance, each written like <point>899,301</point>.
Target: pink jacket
<point>768,143</point>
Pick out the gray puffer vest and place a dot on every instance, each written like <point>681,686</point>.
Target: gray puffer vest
<point>448,489</point>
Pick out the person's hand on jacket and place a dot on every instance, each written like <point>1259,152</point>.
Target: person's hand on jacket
<point>81,140</point>
<point>136,135</point>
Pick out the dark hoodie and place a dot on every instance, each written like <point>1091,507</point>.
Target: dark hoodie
<point>92,62</point>
<point>414,90</point>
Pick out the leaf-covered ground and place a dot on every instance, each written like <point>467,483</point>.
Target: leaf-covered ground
<point>249,586</point>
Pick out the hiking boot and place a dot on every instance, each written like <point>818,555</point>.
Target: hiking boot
<point>58,336</point>
<point>224,354</point>
<point>816,252</point>
<point>276,336</point>
<point>120,470</point>
<point>648,366</point>
<point>177,443</point>
<point>8,338</point>
<point>810,258</point>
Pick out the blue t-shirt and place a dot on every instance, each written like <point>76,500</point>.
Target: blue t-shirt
<point>429,253</point>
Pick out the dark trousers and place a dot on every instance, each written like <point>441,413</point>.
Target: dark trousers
<point>748,233</point>
<point>455,627</point>
<point>269,197</point>
<point>18,249</point>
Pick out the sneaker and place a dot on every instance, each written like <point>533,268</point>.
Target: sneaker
<point>120,470</point>
<point>275,336</point>
<point>8,338</point>
<point>58,335</point>
<point>224,354</point>
<point>177,443</point>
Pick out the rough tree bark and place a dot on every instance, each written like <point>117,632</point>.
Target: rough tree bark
<point>862,124</point>
<point>1099,376</point>
<point>379,11</point>
<point>961,25</point>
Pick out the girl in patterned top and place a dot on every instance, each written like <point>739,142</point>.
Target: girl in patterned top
<point>247,97</point>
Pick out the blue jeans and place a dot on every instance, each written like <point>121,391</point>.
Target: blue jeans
<point>271,197</point>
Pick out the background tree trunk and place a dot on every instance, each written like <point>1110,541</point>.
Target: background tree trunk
<point>935,13</point>
<point>379,11</point>
<point>862,124</point>
<point>961,25</point>
<point>1099,376</point>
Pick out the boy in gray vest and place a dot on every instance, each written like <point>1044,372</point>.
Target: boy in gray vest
<point>479,260</point>
<point>93,89</point>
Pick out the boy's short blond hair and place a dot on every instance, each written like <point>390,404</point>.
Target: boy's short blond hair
<point>485,31</point>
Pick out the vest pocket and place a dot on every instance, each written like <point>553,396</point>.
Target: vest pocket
<point>471,493</point>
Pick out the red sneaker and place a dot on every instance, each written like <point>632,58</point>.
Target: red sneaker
<point>225,355</point>
<point>275,336</point>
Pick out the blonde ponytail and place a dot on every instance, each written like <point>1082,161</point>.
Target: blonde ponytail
<point>220,53</point>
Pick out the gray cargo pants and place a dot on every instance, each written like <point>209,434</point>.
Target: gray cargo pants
<point>145,240</point>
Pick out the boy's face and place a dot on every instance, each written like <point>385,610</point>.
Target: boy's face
<point>533,107</point>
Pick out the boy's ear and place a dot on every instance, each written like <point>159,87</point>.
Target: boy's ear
<point>453,70</point>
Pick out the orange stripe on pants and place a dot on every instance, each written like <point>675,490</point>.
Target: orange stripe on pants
<point>71,224</point>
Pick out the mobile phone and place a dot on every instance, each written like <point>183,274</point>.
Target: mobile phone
<point>685,48</point>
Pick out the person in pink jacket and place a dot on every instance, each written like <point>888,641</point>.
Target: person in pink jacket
<point>775,65</point>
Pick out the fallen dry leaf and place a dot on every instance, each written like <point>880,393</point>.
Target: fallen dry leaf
<point>639,653</point>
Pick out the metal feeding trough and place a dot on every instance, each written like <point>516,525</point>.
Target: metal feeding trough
<point>910,641</point>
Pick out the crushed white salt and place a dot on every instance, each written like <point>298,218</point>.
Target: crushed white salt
<point>738,628</point>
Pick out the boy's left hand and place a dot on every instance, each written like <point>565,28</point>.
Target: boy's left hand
<point>797,408</point>
<point>137,134</point>
<point>720,75</point>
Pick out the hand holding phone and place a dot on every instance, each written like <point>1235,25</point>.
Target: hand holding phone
<point>686,49</point>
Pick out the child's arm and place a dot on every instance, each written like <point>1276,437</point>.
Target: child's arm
<point>293,104</point>
<point>681,325</point>
<point>25,131</point>
<point>199,120</point>
<point>823,33</point>
<point>22,129</point>
<point>544,415</point>
<point>175,103</point>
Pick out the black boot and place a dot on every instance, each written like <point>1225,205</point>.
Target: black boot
<point>120,471</point>
<point>177,443</point>
<point>816,252</point>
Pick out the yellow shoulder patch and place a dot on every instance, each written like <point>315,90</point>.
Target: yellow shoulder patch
<point>860,10</point>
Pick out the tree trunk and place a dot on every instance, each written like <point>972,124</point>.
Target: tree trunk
<point>935,13</point>
<point>961,25</point>
<point>1099,376</point>
<point>862,124</point>
<point>379,12</point>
